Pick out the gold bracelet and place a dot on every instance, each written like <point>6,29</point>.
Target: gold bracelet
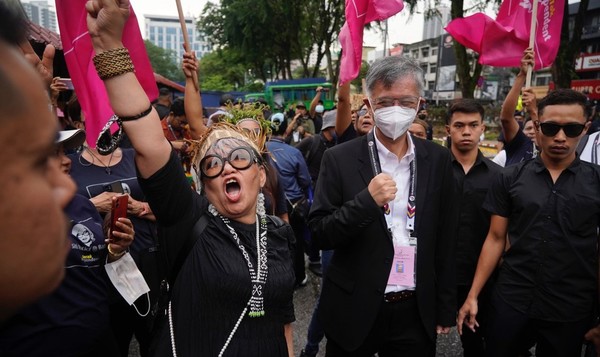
<point>116,255</point>
<point>113,63</point>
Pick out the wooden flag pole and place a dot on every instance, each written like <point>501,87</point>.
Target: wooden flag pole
<point>186,38</point>
<point>531,40</point>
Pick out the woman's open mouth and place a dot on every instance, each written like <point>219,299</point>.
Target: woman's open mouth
<point>232,189</point>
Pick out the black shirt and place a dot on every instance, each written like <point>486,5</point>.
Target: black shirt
<point>519,149</point>
<point>348,134</point>
<point>550,271</point>
<point>312,148</point>
<point>162,110</point>
<point>474,222</point>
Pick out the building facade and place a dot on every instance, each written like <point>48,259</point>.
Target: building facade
<point>434,24</point>
<point>587,66</point>
<point>165,32</point>
<point>41,13</point>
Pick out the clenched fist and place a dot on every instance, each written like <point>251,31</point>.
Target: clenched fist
<point>383,189</point>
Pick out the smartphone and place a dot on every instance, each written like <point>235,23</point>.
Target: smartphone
<point>67,82</point>
<point>119,210</point>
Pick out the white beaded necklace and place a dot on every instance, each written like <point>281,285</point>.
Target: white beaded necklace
<point>258,276</point>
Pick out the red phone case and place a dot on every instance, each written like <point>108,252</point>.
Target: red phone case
<point>119,209</point>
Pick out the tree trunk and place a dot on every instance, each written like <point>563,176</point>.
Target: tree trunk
<point>466,80</point>
<point>562,68</point>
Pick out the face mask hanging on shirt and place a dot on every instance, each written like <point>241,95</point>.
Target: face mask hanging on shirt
<point>394,121</point>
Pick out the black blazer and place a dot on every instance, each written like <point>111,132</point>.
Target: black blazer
<point>344,217</point>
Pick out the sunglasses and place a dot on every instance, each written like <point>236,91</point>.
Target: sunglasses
<point>240,158</point>
<point>571,130</point>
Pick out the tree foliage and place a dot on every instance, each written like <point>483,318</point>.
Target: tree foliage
<point>163,62</point>
<point>272,34</point>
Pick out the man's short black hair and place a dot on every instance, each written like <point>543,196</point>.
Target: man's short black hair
<point>565,96</point>
<point>467,106</point>
<point>164,92</point>
<point>226,99</point>
<point>177,107</point>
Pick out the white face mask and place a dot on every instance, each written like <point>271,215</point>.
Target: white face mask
<point>319,108</point>
<point>127,278</point>
<point>394,121</point>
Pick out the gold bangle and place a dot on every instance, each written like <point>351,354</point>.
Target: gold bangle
<point>113,63</point>
<point>116,255</point>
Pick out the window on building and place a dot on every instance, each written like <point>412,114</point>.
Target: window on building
<point>434,51</point>
<point>432,68</point>
<point>425,52</point>
<point>542,80</point>
<point>431,85</point>
<point>425,68</point>
<point>415,53</point>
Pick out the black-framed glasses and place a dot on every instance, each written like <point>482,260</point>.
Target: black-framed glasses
<point>571,130</point>
<point>239,158</point>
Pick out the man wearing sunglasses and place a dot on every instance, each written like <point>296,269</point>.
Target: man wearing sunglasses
<point>549,208</point>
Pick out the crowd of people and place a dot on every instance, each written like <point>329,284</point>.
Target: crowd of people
<point>410,238</point>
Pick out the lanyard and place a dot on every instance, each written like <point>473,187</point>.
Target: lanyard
<point>411,206</point>
<point>595,150</point>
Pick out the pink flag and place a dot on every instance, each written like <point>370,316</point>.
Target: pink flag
<point>501,42</point>
<point>359,13</point>
<point>77,45</point>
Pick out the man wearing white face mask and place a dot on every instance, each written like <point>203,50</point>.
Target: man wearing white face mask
<point>384,203</point>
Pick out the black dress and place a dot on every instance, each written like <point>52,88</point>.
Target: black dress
<point>213,285</point>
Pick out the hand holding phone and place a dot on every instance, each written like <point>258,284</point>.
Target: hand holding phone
<point>67,82</point>
<point>119,210</point>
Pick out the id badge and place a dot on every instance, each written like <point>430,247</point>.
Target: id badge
<point>403,266</point>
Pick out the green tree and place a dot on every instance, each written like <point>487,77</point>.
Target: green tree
<point>274,33</point>
<point>225,69</point>
<point>163,62</point>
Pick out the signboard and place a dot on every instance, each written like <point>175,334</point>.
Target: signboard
<point>588,62</point>
<point>446,78</point>
<point>591,86</point>
<point>489,90</point>
<point>591,63</point>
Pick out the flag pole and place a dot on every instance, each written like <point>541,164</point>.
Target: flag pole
<point>186,38</point>
<point>531,40</point>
